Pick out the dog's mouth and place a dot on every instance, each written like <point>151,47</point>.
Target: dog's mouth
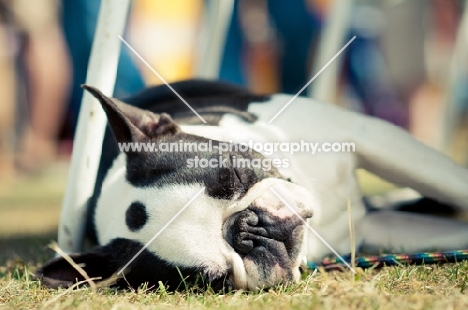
<point>269,239</point>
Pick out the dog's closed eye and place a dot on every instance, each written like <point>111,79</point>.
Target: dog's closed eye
<point>225,184</point>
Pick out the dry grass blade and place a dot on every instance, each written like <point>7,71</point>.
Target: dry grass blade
<point>352,236</point>
<point>109,281</point>
<point>54,246</point>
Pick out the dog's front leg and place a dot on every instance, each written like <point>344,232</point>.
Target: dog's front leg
<point>393,154</point>
<point>381,148</point>
<point>404,232</point>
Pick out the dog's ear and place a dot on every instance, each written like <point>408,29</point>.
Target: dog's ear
<point>60,273</point>
<point>131,124</point>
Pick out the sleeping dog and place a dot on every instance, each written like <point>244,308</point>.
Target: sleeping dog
<point>229,202</point>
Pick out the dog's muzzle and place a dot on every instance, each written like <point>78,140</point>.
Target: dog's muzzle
<point>256,228</point>
<point>269,236</point>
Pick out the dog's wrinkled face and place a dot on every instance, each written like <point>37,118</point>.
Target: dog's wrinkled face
<point>241,231</point>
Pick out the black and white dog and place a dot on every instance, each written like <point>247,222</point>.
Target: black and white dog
<point>245,229</point>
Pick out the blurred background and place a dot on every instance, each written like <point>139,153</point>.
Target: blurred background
<point>408,65</point>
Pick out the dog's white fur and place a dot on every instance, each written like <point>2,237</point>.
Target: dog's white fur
<point>330,177</point>
<point>382,149</point>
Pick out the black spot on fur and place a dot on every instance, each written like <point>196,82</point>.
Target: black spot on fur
<point>136,216</point>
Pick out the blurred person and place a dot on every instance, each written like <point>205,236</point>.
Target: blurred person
<point>418,40</point>
<point>365,69</point>
<point>7,101</point>
<point>278,31</point>
<point>45,62</point>
<point>276,38</point>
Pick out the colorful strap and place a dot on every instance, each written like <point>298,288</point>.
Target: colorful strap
<point>393,259</point>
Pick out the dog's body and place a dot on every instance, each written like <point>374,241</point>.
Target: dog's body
<point>244,229</point>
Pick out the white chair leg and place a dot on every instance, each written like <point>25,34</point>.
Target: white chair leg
<point>214,30</point>
<point>102,70</point>
<point>331,41</point>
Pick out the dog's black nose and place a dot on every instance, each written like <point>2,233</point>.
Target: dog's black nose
<point>256,228</point>
<point>243,231</point>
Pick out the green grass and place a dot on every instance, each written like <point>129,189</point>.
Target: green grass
<point>410,287</point>
<point>29,212</point>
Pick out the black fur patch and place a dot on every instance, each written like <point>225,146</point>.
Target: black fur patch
<point>161,168</point>
<point>210,99</point>
<point>136,216</point>
<point>103,261</point>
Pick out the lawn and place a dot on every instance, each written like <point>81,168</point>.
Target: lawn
<point>30,209</point>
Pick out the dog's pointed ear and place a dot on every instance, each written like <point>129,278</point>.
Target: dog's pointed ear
<point>131,124</point>
<point>60,273</point>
